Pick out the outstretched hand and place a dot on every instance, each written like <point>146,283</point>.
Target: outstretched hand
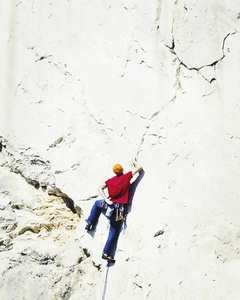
<point>137,166</point>
<point>134,160</point>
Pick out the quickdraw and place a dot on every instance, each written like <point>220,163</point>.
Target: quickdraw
<point>119,212</point>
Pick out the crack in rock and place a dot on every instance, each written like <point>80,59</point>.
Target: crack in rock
<point>90,198</point>
<point>151,120</point>
<point>57,142</point>
<point>43,57</point>
<point>213,64</point>
<point>54,191</point>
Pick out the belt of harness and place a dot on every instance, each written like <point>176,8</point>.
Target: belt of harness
<point>119,210</point>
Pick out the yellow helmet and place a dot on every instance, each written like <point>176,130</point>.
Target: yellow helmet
<point>117,169</point>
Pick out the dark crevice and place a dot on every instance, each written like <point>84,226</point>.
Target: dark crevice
<point>97,266</point>
<point>43,57</point>
<point>80,260</point>
<point>34,183</point>
<point>47,260</point>
<point>90,198</point>
<point>54,191</point>
<point>172,48</point>
<point>67,200</point>
<point>2,143</point>
<point>159,232</point>
<point>58,141</point>
<point>86,252</point>
<point>213,79</point>
<point>30,181</point>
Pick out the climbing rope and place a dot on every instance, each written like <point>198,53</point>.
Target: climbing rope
<point>105,283</point>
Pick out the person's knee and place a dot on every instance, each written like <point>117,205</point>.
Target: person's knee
<point>98,203</point>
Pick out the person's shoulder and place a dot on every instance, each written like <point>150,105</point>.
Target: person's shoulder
<point>110,179</point>
<point>129,174</point>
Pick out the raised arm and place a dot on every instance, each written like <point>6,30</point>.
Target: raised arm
<point>137,166</point>
<point>102,193</point>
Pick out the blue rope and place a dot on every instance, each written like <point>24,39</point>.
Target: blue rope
<point>105,283</point>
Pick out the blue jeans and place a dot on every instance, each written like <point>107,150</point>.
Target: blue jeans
<point>115,227</point>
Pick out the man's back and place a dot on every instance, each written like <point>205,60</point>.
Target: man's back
<point>118,187</point>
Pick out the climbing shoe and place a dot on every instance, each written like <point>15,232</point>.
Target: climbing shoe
<point>109,258</point>
<point>89,227</point>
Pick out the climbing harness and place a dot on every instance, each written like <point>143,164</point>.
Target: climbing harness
<point>115,211</point>
<point>105,283</point>
<point>109,211</point>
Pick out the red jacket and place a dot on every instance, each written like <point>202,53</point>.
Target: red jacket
<point>118,188</point>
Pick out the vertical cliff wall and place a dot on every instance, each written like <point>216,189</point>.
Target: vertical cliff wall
<point>86,84</point>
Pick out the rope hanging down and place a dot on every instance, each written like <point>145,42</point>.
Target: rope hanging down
<point>105,283</point>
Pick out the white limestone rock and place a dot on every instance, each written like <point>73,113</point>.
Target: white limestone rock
<point>86,85</point>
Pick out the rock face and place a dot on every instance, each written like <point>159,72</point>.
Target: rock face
<point>86,84</point>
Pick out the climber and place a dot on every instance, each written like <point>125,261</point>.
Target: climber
<point>113,206</point>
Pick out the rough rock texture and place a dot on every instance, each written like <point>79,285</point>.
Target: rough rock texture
<point>86,84</point>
